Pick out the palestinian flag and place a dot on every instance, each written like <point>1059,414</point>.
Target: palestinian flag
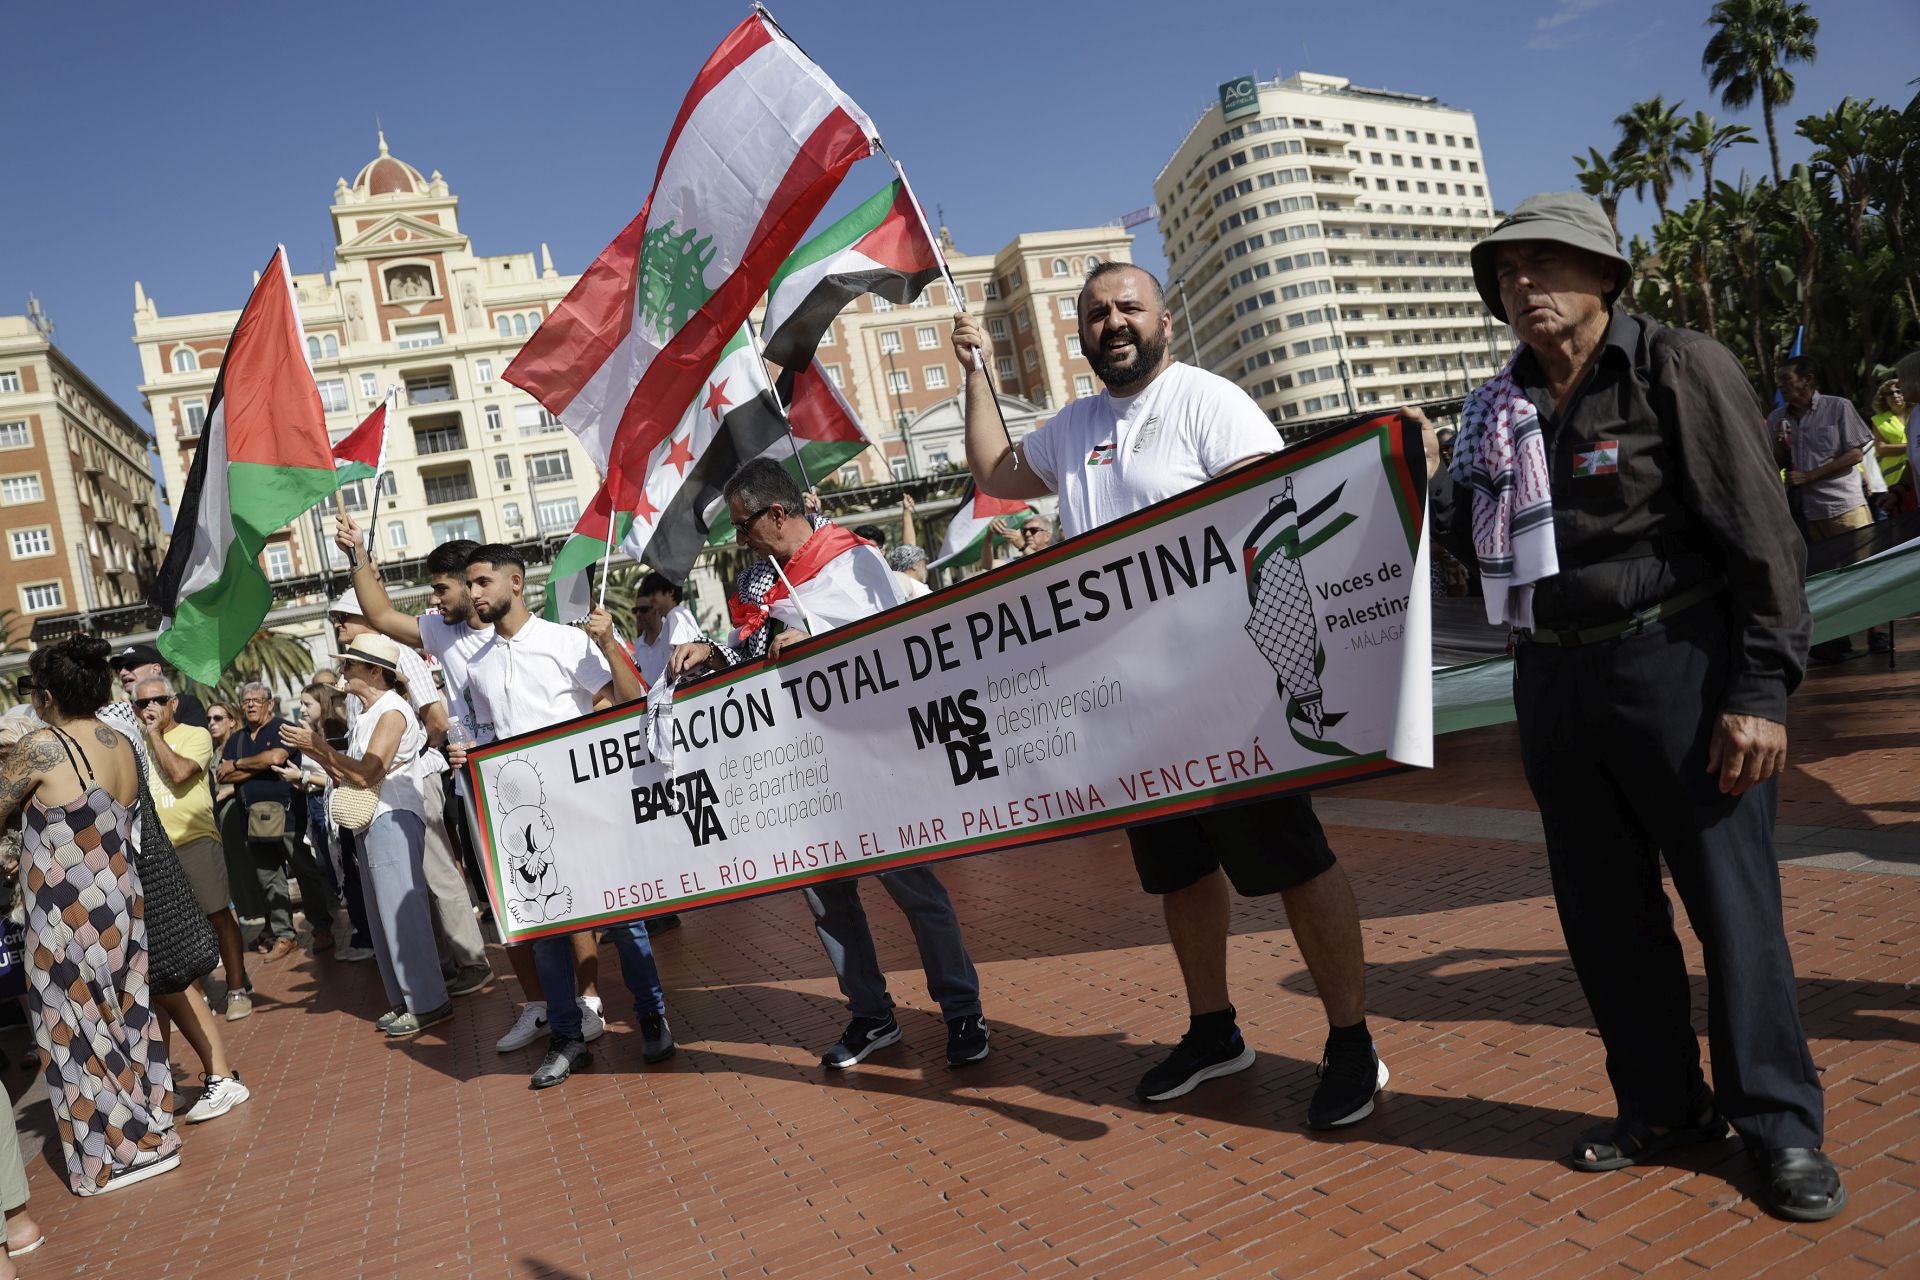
<point>362,453</point>
<point>263,461</point>
<point>760,144</point>
<point>825,430</point>
<point>972,525</point>
<point>836,577</point>
<point>880,248</point>
<point>734,418</point>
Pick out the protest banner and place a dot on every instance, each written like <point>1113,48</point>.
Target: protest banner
<point>1266,632</point>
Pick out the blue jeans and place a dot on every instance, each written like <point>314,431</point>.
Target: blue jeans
<point>401,920</point>
<point>553,961</point>
<point>841,923</point>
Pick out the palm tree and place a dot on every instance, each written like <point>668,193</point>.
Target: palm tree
<point>1748,54</point>
<point>274,658</point>
<point>1740,209</point>
<point>1707,138</point>
<point>1608,180</point>
<point>1843,141</point>
<point>1652,130</point>
<point>1800,205</point>
<point>1688,235</point>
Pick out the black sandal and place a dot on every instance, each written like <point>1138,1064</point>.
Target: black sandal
<point>1629,1142</point>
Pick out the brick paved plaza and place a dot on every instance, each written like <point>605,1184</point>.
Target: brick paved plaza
<point>741,1157</point>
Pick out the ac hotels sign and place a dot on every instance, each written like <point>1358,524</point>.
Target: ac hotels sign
<point>1239,97</point>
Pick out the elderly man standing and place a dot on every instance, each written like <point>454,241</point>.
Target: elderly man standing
<point>1662,623</point>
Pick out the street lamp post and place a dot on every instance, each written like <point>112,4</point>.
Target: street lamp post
<point>899,414</point>
<point>1186,314</point>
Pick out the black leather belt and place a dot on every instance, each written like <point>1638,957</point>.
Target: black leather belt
<point>1700,593</point>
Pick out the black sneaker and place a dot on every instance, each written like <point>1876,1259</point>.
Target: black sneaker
<point>862,1037</point>
<point>1351,1077</point>
<point>656,1038</point>
<point>661,924</point>
<point>564,1057</point>
<point>1193,1061</point>
<point>967,1040</point>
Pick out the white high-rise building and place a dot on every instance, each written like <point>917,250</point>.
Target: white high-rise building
<point>1311,224</point>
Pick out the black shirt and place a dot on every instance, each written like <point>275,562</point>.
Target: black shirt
<point>1696,493</point>
<point>190,710</point>
<point>251,742</point>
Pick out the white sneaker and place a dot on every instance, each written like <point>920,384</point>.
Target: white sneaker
<point>530,1026</point>
<point>592,1024</point>
<point>222,1094</point>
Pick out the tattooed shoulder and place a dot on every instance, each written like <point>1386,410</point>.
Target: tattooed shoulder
<point>106,737</point>
<point>41,750</point>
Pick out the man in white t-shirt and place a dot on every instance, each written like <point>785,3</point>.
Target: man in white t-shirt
<point>452,634</point>
<point>660,621</point>
<point>1159,429</point>
<point>529,674</point>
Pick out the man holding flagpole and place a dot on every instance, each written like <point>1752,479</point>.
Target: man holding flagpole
<point>1159,428</point>
<point>811,580</point>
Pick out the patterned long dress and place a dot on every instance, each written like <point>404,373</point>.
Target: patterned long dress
<point>86,952</point>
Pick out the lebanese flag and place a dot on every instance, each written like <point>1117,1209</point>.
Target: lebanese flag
<point>880,248</point>
<point>826,433</point>
<point>263,461</point>
<point>971,525</point>
<point>362,452</point>
<point>761,142</point>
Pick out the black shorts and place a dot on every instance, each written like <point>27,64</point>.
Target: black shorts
<point>1265,847</point>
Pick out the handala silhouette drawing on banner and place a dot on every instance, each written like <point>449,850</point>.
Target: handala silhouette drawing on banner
<point>1282,625</point>
<point>535,894</point>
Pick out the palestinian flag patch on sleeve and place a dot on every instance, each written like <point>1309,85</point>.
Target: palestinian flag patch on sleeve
<point>1603,459</point>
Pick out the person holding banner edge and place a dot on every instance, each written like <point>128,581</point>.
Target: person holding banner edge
<point>821,577</point>
<point>1162,427</point>
<point>529,674</point>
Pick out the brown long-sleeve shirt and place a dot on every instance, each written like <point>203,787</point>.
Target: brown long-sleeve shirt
<point>1660,483</point>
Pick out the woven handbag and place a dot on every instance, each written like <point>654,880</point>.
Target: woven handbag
<point>352,807</point>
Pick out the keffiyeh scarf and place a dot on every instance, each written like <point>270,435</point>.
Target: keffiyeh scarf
<point>1501,456</point>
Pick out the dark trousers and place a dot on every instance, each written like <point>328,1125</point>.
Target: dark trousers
<point>351,892</point>
<point>272,860</point>
<point>1614,737</point>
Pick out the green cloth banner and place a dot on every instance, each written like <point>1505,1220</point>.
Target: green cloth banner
<point>1844,601</point>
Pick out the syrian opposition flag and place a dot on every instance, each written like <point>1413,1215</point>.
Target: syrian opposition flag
<point>826,431</point>
<point>880,248</point>
<point>762,140</point>
<point>362,452</point>
<point>263,460</point>
<point>972,525</point>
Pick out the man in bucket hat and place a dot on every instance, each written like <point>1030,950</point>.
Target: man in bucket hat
<point>1630,524</point>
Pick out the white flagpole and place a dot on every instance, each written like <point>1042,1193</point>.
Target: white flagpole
<point>793,595</point>
<point>786,420</point>
<point>606,563</point>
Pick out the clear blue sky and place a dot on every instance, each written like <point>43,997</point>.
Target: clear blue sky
<point>176,145</point>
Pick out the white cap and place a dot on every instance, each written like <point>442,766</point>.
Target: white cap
<point>349,602</point>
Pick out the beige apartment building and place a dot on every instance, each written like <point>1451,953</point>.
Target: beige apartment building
<point>408,304</point>
<point>1316,236</point>
<point>896,367</point>
<point>77,497</point>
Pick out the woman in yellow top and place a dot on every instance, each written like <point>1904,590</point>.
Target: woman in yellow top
<point>1889,423</point>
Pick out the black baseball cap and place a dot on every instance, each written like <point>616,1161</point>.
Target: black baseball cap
<point>135,655</point>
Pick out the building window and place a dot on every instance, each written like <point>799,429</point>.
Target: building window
<point>1004,366</point>
<point>1059,266</point>
<point>313,349</point>
<point>881,304</point>
<point>492,415</point>
<point>543,467</point>
<point>184,360</point>
<point>558,516</point>
<point>369,386</point>
<point>397,533</point>
<point>354,496</point>
<point>926,337</point>
<point>28,543</point>
<point>833,374</point>
<point>448,486</point>
<point>406,336</point>
<point>935,376</point>
<point>279,558</point>
<point>997,328</point>
<point>889,341</point>
<point>849,476</point>
<point>899,468</point>
<point>15,435</point>
<point>897,382</point>
<point>922,300</point>
<point>18,489</point>
<point>1073,344</point>
<point>1032,358</point>
<point>1022,320</point>
<point>483,371</point>
<point>1093,260</point>
<point>42,597</point>
<point>990,291</point>
<point>503,466</point>
<point>1082,385</point>
<point>505,325</point>
<point>429,388</point>
<point>386,486</point>
<point>1069,308</point>
<point>444,437</point>
<point>333,394</point>
<point>510,514</point>
<point>330,346</point>
<point>9,380</point>
<point>830,338</point>
<point>454,528</point>
<point>534,420</point>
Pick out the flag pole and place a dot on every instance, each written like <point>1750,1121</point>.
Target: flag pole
<point>606,561</point>
<point>954,292</point>
<point>792,594</point>
<point>753,335</point>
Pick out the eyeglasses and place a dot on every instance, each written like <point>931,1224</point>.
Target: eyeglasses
<point>740,531</point>
<point>143,703</point>
<point>27,684</point>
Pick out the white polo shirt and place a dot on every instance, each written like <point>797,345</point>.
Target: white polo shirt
<point>453,645</point>
<point>1109,456</point>
<point>543,675</point>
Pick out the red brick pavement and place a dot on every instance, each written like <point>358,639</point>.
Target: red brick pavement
<point>742,1158</point>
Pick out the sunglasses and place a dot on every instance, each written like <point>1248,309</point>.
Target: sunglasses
<point>27,684</point>
<point>143,703</point>
<point>741,530</point>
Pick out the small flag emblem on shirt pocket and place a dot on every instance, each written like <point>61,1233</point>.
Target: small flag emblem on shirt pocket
<point>1101,455</point>
<point>1603,459</point>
